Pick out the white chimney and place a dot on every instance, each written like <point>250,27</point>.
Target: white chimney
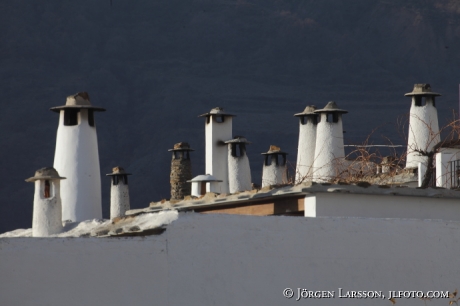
<point>239,171</point>
<point>202,184</point>
<point>119,192</point>
<point>308,122</point>
<point>218,129</point>
<point>77,158</point>
<point>423,124</point>
<point>47,214</point>
<point>274,169</point>
<point>329,149</point>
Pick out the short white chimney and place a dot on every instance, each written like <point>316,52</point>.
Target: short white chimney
<point>218,129</point>
<point>308,121</point>
<point>47,214</point>
<point>329,149</point>
<point>77,158</point>
<point>119,192</point>
<point>423,124</point>
<point>274,169</point>
<point>181,171</point>
<point>202,184</point>
<point>239,171</point>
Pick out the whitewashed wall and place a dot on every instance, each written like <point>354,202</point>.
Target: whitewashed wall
<point>235,260</point>
<point>379,206</point>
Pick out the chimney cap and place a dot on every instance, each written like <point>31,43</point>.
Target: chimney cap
<point>217,111</point>
<point>77,101</point>
<point>422,90</point>
<point>238,139</point>
<point>47,173</point>
<point>309,110</point>
<point>274,150</point>
<point>181,146</point>
<point>331,107</point>
<point>204,178</point>
<point>118,171</point>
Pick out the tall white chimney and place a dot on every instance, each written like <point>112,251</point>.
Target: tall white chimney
<point>47,214</point>
<point>308,122</point>
<point>329,149</point>
<point>77,158</point>
<point>218,130</point>
<point>239,171</point>
<point>119,192</point>
<point>423,124</point>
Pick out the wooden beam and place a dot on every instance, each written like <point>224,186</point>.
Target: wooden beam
<point>267,207</point>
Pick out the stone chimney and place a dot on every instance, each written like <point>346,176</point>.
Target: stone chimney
<point>119,192</point>
<point>181,171</point>
<point>239,171</point>
<point>47,214</point>
<point>77,158</point>
<point>218,129</point>
<point>329,148</point>
<point>274,169</point>
<point>423,124</point>
<point>308,120</point>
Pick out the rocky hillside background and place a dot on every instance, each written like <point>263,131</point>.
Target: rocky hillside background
<point>156,65</point>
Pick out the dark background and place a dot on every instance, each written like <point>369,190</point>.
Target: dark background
<point>156,65</point>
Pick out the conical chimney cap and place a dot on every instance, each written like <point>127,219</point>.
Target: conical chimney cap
<point>331,107</point>
<point>217,111</point>
<point>309,110</point>
<point>118,171</point>
<point>77,101</point>
<point>47,173</point>
<point>422,90</point>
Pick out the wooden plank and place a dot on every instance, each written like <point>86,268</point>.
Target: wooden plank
<point>272,206</point>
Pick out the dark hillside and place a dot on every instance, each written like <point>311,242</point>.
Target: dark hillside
<point>156,65</point>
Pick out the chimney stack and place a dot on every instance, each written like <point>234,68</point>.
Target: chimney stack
<point>47,214</point>
<point>77,158</point>
<point>308,122</point>
<point>202,184</point>
<point>329,148</point>
<point>423,124</point>
<point>119,192</point>
<point>181,171</point>
<point>274,169</point>
<point>218,129</point>
<point>239,171</point>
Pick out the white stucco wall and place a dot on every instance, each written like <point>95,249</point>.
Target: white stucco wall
<point>216,151</point>
<point>235,260</point>
<point>423,131</point>
<point>77,158</point>
<point>306,151</point>
<point>47,213</point>
<point>239,172</point>
<point>274,174</point>
<point>119,199</point>
<point>379,206</point>
<point>329,149</point>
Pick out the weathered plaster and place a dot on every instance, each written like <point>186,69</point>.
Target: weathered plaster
<point>329,149</point>
<point>423,131</point>
<point>239,172</point>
